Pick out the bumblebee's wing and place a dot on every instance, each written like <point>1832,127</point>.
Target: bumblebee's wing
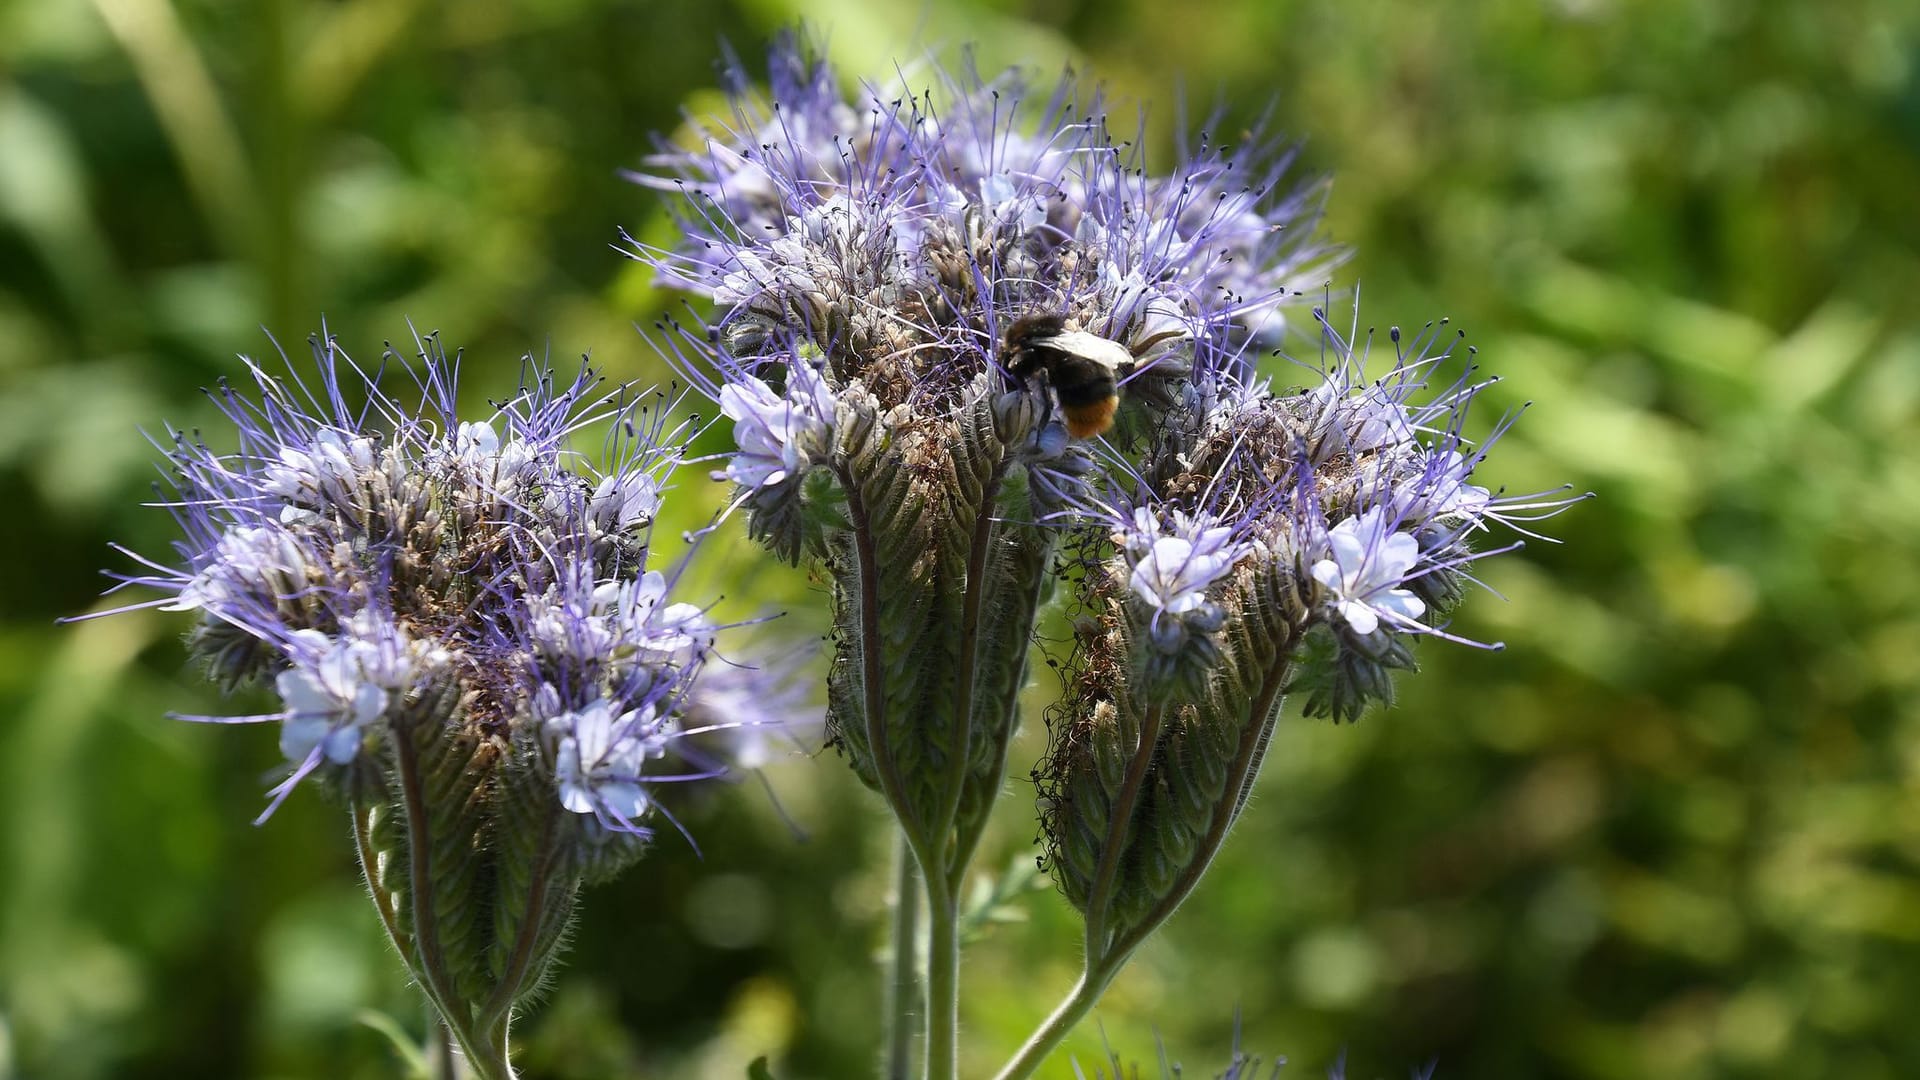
<point>1106,352</point>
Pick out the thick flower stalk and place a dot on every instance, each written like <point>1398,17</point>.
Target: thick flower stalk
<point>468,645</point>
<point>868,254</point>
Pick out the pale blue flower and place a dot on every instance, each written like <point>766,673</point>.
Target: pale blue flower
<point>599,755</point>
<point>1173,574</point>
<point>779,436</point>
<point>338,688</point>
<point>1367,565</point>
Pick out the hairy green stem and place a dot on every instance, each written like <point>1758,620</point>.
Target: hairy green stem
<point>944,881</point>
<point>1054,1030</point>
<point>382,900</point>
<point>1106,958</point>
<point>872,678</point>
<point>485,1056</point>
<point>901,998</point>
<point>1246,756</point>
<point>426,929</point>
<point>943,963</point>
<point>440,1054</point>
<point>968,838</point>
<point>943,984</point>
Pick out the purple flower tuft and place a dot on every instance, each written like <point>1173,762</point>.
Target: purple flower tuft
<point>364,548</point>
<point>899,231</point>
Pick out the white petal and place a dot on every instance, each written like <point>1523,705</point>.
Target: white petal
<point>369,701</point>
<point>300,734</point>
<point>342,744</point>
<point>576,798</point>
<point>592,734</point>
<point>1327,573</point>
<point>305,695</point>
<point>624,799</point>
<point>1360,617</point>
<point>1401,602</point>
<point>1398,555</point>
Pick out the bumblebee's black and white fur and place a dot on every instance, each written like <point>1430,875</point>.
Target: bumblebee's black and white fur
<point>1084,369</point>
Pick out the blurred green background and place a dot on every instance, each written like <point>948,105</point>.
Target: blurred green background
<point>1673,831</point>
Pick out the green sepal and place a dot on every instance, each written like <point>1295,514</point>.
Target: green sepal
<point>536,873</point>
<point>1207,742</point>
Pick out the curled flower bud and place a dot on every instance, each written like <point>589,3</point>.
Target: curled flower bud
<point>460,621</point>
<point>1270,542</point>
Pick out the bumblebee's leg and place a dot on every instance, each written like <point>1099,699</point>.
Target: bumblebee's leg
<point>1045,386</point>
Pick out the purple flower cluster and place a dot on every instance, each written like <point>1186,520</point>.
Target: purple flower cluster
<point>895,233</point>
<point>1351,499</point>
<point>1170,566</point>
<point>386,565</point>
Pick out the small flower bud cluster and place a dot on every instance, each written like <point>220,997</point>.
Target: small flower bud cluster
<point>868,254</point>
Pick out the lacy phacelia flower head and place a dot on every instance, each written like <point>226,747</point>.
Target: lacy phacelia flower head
<point>869,254</point>
<point>899,236</point>
<point>395,572</point>
<point>466,638</point>
<point>1265,542</point>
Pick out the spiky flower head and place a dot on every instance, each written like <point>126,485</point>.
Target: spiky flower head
<point>1262,541</point>
<point>460,621</point>
<point>868,253</point>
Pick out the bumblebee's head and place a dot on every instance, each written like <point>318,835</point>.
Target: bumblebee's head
<point>1016,353</point>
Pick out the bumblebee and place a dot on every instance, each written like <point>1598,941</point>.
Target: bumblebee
<point>1084,369</point>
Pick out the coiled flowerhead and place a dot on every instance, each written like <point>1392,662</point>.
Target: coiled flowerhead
<point>868,253</point>
<point>466,636</point>
<point>1262,541</point>
<point>365,550</point>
